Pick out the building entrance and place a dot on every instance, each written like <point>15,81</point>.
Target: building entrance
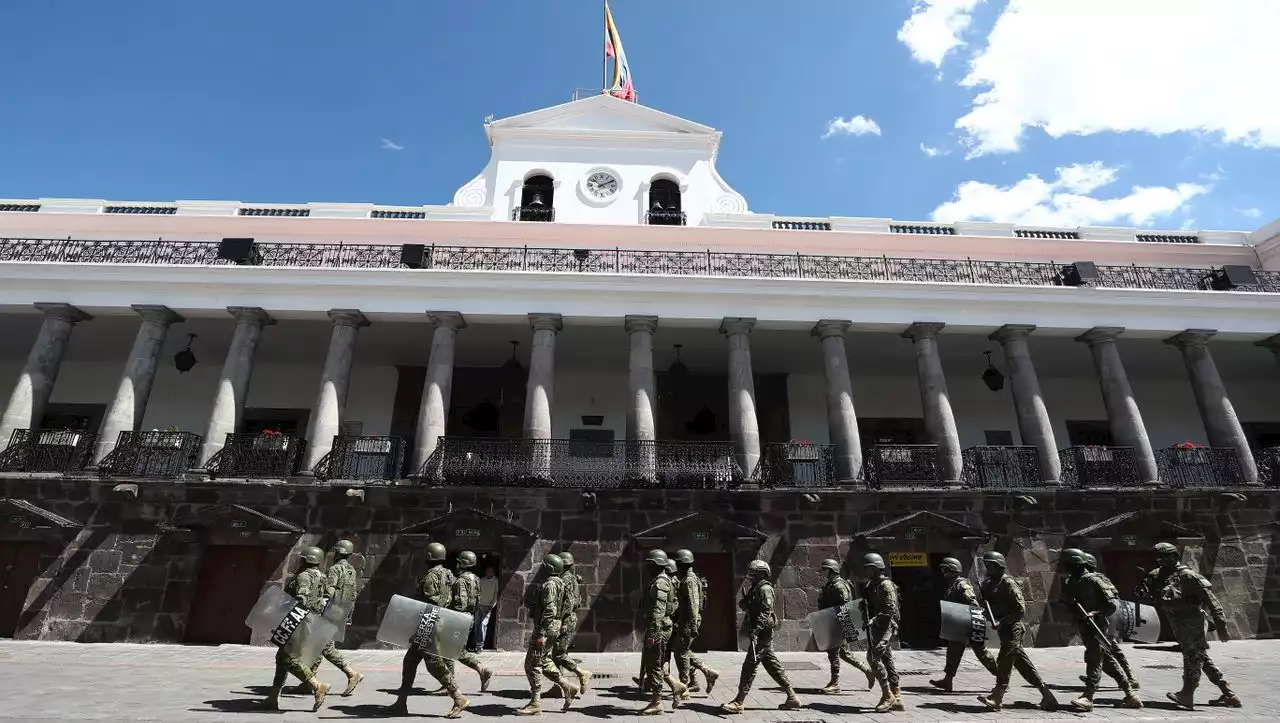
<point>1125,569</point>
<point>719,628</point>
<point>920,587</point>
<point>230,580</point>
<point>488,569</point>
<point>19,565</point>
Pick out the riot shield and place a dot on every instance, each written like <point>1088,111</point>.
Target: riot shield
<point>832,627</point>
<point>339,613</point>
<point>1135,622</point>
<point>430,629</point>
<point>290,626</point>
<point>963,624</point>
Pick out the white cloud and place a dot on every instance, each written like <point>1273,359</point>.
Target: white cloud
<point>930,151</point>
<point>390,145</point>
<point>1065,201</point>
<point>1250,212</point>
<point>1154,66</point>
<point>935,27</point>
<point>855,126</point>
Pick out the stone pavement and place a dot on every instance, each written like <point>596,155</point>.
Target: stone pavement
<point>77,682</point>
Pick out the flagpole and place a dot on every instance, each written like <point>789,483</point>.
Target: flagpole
<point>604,57</point>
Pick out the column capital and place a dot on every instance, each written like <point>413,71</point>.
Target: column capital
<point>546,322</point>
<point>158,314</point>
<point>1012,332</point>
<point>731,325</point>
<point>1272,342</point>
<point>923,330</point>
<point>1191,337</point>
<point>348,317</point>
<point>633,324</point>
<point>251,315</point>
<point>1101,335</point>
<point>831,327</point>
<point>450,319</point>
<point>63,311</point>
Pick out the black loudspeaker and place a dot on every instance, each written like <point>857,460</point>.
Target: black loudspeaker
<point>1081,273</point>
<point>242,251</point>
<point>413,255</point>
<point>1232,277</point>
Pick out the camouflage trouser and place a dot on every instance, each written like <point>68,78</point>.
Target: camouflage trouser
<point>845,653</point>
<point>1195,657</point>
<point>955,652</point>
<point>652,657</point>
<point>469,659</point>
<point>880,654</point>
<point>760,653</point>
<point>286,664</point>
<point>681,648</point>
<point>1121,660</point>
<point>333,655</point>
<point>440,668</point>
<point>1098,659</point>
<point>537,660</point>
<point>1013,656</point>
<point>560,652</point>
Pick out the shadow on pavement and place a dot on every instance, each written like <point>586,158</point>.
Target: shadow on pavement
<point>600,711</point>
<point>957,708</point>
<point>1174,648</point>
<point>369,710</point>
<point>831,709</point>
<point>240,705</point>
<point>515,695</point>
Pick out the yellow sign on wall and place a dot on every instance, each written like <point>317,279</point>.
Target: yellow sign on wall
<point>908,559</point>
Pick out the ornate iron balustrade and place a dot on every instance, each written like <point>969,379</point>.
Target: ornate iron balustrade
<point>158,455</point>
<point>665,218</point>
<point>533,213</point>
<point>801,225</point>
<point>1199,467</point>
<point>485,462</point>
<point>47,450</point>
<point>1268,459</point>
<point>1045,233</point>
<point>362,458</point>
<point>1095,466</point>
<point>621,261</point>
<point>1002,467</point>
<point>268,456</point>
<point>889,466</point>
<point>792,464</point>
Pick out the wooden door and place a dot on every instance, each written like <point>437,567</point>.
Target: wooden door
<point>19,565</point>
<point>230,581</point>
<point>719,619</point>
<point>920,589</point>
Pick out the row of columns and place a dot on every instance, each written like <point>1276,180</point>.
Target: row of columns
<point>125,412</point>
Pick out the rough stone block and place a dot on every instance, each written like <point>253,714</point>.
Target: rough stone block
<point>103,586</point>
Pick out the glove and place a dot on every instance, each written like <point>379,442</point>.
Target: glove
<point>1223,635</point>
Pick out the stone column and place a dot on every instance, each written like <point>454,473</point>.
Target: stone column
<point>129,405</point>
<point>540,390</point>
<point>1220,422</point>
<point>35,385</point>
<point>842,421</point>
<point>1122,411</point>
<point>331,400</point>
<point>233,384</point>
<point>437,389</point>
<point>744,428</point>
<point>1273,343</point>
<point>939,420</point>
<point>1034,425</point>
<point>641,417</point>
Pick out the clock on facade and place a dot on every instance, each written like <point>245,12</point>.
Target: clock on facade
<point>602,184</point>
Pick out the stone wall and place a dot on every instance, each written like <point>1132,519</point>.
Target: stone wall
<point>126,568</point>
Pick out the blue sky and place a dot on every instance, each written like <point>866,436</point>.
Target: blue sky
<point>291,101</point>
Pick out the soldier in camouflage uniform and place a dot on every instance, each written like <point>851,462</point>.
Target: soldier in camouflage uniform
<point>837,592</point>
<point>342,587</point>
<point>1003,599</point>
<point>310,588</point>
<point>1091,564</point>
<point>757,603</point>
<point>466,595</point>
<point>569,605</point>
<point>882,613</point>
<point>1184,596</point>
<point>544,611</point>
<point>659,607</point>
<point>436,588</point>
<point>960,590</point>
<point>688,623</point>
<point>1092,601</point>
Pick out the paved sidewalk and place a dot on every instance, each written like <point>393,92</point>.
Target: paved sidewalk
<point>74,682</point>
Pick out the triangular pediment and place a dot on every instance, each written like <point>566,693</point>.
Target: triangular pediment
<point>924,519</point>
<point>23,514</point>
<point>700,521</point>
<point>1145,525</point>
<point>236,516</point>
<point>467,515</point>
<point>602,113</point>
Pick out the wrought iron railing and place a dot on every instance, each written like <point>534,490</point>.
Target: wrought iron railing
<point>622,261</point>
<point>158,455</point>
<point>787,224</point>
<point>1268,459</point>
<point>47,450</point>
<point>1199,467</point>
<point>665,218</point>
<point>797,464</point>
<point>1001,467</point>
<point>362,458</point>
<point>1096,466</point>
<point>486,462</point>
<point>268,456</point>
<point>533,213</point>
<point>902,465</point>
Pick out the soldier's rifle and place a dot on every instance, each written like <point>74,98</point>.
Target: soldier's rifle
<point>1111,645</point>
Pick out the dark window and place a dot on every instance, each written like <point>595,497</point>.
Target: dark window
<point>1087,433</point>
<point>537,200</point>
<point>999,437</point>
<point>664,204</point>
<point>591,443</point>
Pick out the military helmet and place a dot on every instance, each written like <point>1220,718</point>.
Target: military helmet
<point>466,559</point>
<point>684,557</point>
<point>657,557</point>
<point>554,564</point>
<point>832,565</point>
<point>344,547</point>
<point>671,565</point>
<point>312,555</point>
<point>1164,548</point>
<point>1090,562</point>
<point>566,558</point>
<point>1073,557</point>
<point>758,568</point>
<point>873,559</point>
<point>950,563</point>
<point>994,558</point>
<point>436,552</point>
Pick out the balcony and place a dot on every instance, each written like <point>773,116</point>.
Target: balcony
<point>893,466</point>
<point>1190,467</point>
<point>991,467</point>
<point>796,464</point>
<point>1268,459</point>
<point>482,462</point>
<point>47,450</point>
<point>545,214</point>
<point>664,218</point>
<point>1090,467</point>
<point>153,455</point>
<point>262,456</point>
<point>362,459</point>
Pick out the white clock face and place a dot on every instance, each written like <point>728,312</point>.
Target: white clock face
<point>602,184</point>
